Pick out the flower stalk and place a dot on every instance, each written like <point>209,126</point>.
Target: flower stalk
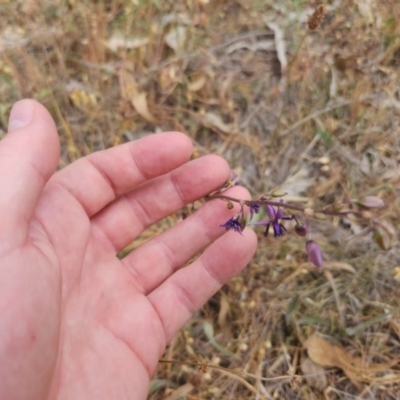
<point>278,211</point>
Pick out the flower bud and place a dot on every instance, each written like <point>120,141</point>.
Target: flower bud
<point>271,212</point>
<point>314,253</point>
<point>234,179</point>
<point>254,209</point>
<point>278,193</point>
<point>300,229</point>
<point>229,205</point>
<point>370,202</point>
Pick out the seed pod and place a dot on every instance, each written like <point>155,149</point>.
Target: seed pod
<point>316,18</point>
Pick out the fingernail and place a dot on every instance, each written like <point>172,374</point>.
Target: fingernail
<point>21,115</point>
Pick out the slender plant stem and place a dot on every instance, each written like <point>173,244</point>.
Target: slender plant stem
<point>325,211</point>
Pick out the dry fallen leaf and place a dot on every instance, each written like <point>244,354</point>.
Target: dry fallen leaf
<point>280,44</point>
<point>339,266</point>
<point>197,83</point>
<point>357,369</point>
<point>223,313</point>
<point>314,374</point>
<point>130,91</point>
<point>117,41</point>
<point>216,121</point>
<point>176,38</point>
<point>168,76</point>
<point>396,273</point>
<point>180,392</point>
<point>298,183</point>
<point>366,10</point>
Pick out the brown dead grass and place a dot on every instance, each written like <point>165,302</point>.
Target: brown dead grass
<point>325,128</point>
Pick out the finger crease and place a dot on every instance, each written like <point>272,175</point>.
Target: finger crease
<point>137,281</point>
<point>184,298</point>
<point>178,189</point>
<point>142,214</point>
<point>137,165</point>
<point>169,254</point>
<point>98,230</point>
<point>105,177</point>
<point>210,272</point>
<point>205,228</point>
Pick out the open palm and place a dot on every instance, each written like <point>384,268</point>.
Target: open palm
<point>75,321</point>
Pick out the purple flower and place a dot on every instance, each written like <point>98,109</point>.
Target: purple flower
<point>254,209</point>
<point>234,179</point>
<point>235,223</point>
<point>275,215</point>
<point>314,253</point>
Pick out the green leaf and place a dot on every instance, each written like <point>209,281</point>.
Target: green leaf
<point>208,330</point>
<point>313,320</point>
<point>326,137</point>
<point>157,4</point>
<point>156,384</point>
<point>367,324</point>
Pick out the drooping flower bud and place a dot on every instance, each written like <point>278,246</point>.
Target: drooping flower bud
<point>300,229</point>
<point>370,202</point>
<point>254,209</point>
<point>235,223</point>
<point>271,212</point>
<point>229,205</point>
<point>314,253</point>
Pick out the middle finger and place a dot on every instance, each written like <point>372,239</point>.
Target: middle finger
<point>152,263</point>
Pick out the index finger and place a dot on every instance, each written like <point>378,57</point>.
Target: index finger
<point>98,179</point>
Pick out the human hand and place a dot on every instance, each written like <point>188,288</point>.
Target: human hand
<point>75,321</point>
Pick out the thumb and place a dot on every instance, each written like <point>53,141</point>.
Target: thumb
<point>29,155</point>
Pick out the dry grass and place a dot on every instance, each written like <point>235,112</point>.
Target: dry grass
<point>317,113</point>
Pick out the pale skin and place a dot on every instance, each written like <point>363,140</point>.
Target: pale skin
<point>75,321</point>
